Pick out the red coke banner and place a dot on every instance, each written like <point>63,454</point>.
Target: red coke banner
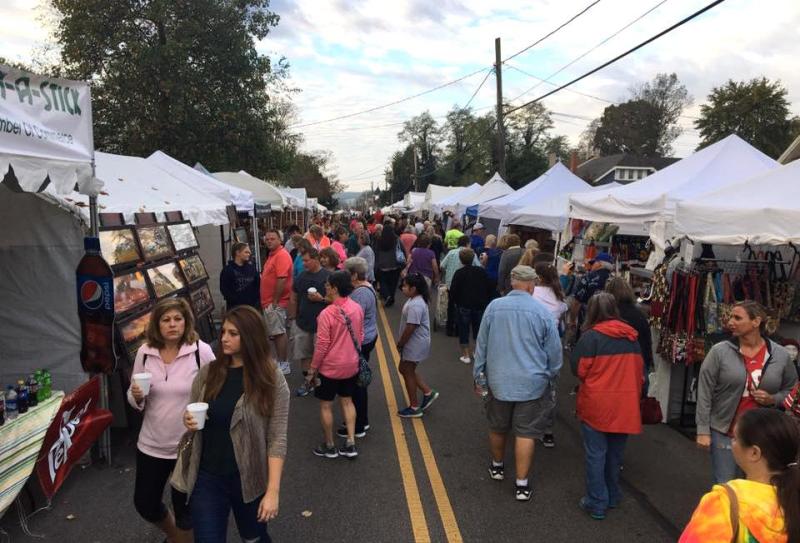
<point>78,424</point>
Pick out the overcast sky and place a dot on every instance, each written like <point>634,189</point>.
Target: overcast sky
<point>350,55</point>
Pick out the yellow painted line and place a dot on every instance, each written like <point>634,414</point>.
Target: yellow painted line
<point>418,523</point>
<point>451,529</point>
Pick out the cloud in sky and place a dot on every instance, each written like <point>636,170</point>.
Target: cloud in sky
<point>351,55</point>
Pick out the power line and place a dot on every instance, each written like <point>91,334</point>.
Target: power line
<point>603,42</point>
<point>394,103</point>
<point>623,55</point>
<point>474,94</point>
<point>562,25</point>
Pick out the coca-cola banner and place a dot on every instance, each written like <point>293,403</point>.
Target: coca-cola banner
<point>78,424</point>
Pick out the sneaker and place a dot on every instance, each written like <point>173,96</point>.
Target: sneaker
<point>348,450</point>
<point>342,432</point>
<point>428,400</point>
<point>285,367</point>
<point>498,473</point>
<point>465,359</point>
<point>548,441</point>
<point>594,514</point>
<point>326,451</point>
<point>410,413</point>
<point>523,493</point>
<point>304,390</point>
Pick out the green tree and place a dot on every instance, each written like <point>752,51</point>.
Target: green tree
<point>183,77</point>
<point>668,97</point>
<point>628,128</point>
<point>311,170</point>
<point>468,147</point>
<point>756,110</point>
<point>423,134</point>
<point>559,146</point>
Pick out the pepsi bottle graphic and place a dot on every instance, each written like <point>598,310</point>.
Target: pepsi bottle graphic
<point>95,282</point>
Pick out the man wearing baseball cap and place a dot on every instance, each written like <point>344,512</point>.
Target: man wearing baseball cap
<point>476,240</point>
<point>599,270</point>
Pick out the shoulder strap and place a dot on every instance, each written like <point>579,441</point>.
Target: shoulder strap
<point>350,329</point>
<point>197,355</point>
<point>372,290</point>
<point>734,511</point>
<point>144,360</point>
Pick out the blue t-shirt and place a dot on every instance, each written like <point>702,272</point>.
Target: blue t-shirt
<point>476,243</point>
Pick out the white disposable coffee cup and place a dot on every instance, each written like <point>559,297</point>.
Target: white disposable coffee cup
<point>312,290</point>
<point>143,380</point>
<point>198,411</point>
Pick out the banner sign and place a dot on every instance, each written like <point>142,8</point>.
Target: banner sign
<point>263,211</point>
<point>78,424</point>
<point>45,117</point>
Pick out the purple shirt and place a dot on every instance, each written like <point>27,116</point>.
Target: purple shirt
<point>422,262</point>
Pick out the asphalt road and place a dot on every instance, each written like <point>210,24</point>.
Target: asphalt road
<point>420,480</point>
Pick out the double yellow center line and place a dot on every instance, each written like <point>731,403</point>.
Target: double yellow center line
<point>418,521</point>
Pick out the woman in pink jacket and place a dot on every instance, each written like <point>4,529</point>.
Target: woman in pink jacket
<point>172,355</point>
<point>340,332</point>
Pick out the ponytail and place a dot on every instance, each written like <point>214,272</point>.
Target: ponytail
<point>787,484</point>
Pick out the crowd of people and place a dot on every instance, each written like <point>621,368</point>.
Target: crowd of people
<point>315,305</point>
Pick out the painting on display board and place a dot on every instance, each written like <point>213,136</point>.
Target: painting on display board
<point>166,279</point>
<point>130,291</point>
<point>154,241</point>
<point>193,269</point>
<point>134,332</point>
<point>202,303</point>
<point>119,247</point>
<point>183,237</point>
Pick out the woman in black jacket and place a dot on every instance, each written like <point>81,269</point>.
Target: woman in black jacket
<point>631,313</point>
<point>386,263</point>
<point>471,291</point>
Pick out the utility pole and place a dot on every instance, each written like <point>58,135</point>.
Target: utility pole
<point>501,131</point>
<point>416,178</point>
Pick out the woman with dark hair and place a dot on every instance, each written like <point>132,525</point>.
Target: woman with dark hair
<point>240,281</point>
<point>172,349</point>
<point>608,363</point>
<point>414,344</point>
<point>329,259</point>
<point>386,262</point>
<point>239,453</point>
<point>471,291</point>
<point>340,334</point>
<point>745,372</point>
<point>338,245</point>
<point>302,246</point>
<point>631,313</point>
<point>423,261</point>
<point>768,500</point>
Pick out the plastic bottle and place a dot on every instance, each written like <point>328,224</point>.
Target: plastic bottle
<point>95,282</point>
<point>11,403</point>
<point>2,407</point>
<point>33,391</point>
<point>40,380</point>
<point>22,397</point>
<point>483,384</point>
<point>48,384</point>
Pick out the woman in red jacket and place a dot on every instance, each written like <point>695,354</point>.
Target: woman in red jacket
<point>608,362</point>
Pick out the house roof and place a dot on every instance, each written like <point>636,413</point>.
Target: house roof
<point>595,168</point>
<point>791,153</point>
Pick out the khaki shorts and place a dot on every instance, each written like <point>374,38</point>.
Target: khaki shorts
<point>302,343</point>
<point>525,419</point>
<point>276,321</point>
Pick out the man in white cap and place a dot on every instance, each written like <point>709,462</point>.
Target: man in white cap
<point>518,352</point>
<point>478,237</point>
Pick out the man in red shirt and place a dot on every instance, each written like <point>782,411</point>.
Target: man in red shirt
<point>276,288</point>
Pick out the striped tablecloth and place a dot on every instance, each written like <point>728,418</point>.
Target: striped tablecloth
<point>20,441</point>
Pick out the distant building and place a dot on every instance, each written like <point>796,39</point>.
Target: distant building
<point>791,153</point>
<point>621,168</point>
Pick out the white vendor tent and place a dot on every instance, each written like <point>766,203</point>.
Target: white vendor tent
<point>296,197</point>
<point>494,188</point>
<point>263,193</point>
<point>446,203</point>
<point>764,209</point>
<point>242,199</point>
<point>413,201</point>
<point>435,193</point>
<point>558,180</point>
<point>654,197</point>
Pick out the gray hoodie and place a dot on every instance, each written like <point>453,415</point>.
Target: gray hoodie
<point>723,378</point>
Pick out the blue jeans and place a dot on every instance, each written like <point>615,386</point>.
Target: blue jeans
<point>604,453</point>
<point>723,466</point>
<point>466,318</point>
<point>212,499</point>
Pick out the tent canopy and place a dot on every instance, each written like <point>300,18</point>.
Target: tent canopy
<point>295,196</point>
<point>654,197</point>
<point>551,213</point>
<point>558,180</point>
<point>414,200</point>
<point>764,209</point>
<point>446,203</point>
<point>494,188</point>
<point>242,199</point>
<point>435,193</point>
<point>133,185</point>
<point>263,193</point>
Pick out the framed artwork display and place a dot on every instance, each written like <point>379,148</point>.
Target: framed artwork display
<point>134,331</point>
<point>202,302</point>
<point>166,279</point>
<point>154,241</point>
<point>118,246</point>
<point>130,291</point>
<point>193,269</point>
<point>241,235</point>
<point>183,237</point>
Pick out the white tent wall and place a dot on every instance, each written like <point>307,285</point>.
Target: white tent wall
<point>210,251</point>
<point>40,247</point>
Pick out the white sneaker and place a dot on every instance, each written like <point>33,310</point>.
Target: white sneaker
<point>284,366</point>
<point>466,359</point>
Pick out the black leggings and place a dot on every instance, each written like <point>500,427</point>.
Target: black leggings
<point>388,282</point>
<point>151,475</point>
<point>360,399</point>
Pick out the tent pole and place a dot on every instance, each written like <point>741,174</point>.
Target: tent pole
<point>558,248</point>
<point>256,243</point>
